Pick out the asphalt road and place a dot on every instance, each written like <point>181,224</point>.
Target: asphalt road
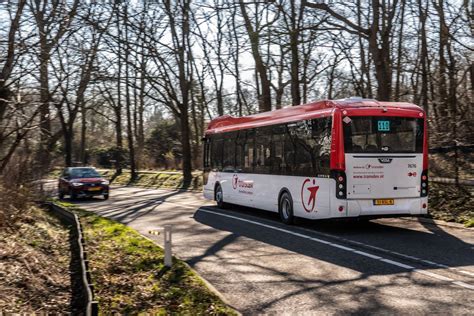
<point>389,266</point>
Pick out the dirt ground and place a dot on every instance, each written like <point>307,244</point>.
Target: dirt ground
<point>34,265</point>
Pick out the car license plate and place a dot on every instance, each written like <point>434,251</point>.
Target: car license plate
<point>95,189</point>
<point>384,202</point>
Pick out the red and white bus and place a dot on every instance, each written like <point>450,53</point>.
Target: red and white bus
<point>328,159</point>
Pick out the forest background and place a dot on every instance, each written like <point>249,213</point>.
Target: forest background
<point>133,84</point>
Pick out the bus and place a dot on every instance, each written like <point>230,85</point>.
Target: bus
<point>350,158</point>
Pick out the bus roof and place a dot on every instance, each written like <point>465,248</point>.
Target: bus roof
<point>323,108</point>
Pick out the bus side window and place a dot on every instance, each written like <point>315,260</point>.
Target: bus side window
<point>216,153</point>
<point>206,154</point>
<point>277,152</point>
<point>322,136</point>
<point>263,140</point>
<point>229,152</point>
<point>289,149</point>
<point>240,149</point>
<point>249,152</point>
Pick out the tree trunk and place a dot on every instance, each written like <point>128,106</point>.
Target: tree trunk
<point>399,53</point>
<point>380,55</point>
<point>294,45</point>
<point>265,99</point>
<point>128,105</point>
<point>83,156</point>
<point>424,56</point>
<point>185,139</point>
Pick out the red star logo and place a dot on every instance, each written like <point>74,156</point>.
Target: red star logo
<point>309,206</point>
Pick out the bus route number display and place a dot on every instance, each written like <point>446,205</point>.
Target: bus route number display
<point>383,126</point>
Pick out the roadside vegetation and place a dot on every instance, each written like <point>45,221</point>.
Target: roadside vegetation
<point>129,274</point>
<point>34,258</point>
<point>452,203</point>
<point>156,179</point>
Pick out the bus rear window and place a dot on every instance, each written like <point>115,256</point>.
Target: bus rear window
<point>376,134</point>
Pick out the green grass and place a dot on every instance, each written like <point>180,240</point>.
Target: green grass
<point>129,275</point>
<point>158,179</point>
<point>469,223</point>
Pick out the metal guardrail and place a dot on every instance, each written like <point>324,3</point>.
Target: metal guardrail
<point>89,306</point>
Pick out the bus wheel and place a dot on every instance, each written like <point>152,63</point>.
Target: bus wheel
<point>219,197</point>
<point>285,208</point>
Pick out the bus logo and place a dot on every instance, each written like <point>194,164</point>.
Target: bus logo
<point>385,160</point>
<point>308,194</point>
<point>235,181</point>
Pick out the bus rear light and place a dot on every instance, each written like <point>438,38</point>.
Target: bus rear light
<point>341,208</point>
<point>424,205</point>
<point>424,183</point>
<point>340,177</point>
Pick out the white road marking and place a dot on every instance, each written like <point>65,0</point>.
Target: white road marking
<point>353,242</point>
<point>352,250</point>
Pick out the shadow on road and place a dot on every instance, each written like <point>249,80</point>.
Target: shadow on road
<point>129,210</point>
<point>329,287</point>
<point>436,244</point>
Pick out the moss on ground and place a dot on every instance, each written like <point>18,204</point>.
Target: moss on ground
<point>130,277</point>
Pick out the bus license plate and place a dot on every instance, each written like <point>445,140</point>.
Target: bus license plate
<point>384,202</point>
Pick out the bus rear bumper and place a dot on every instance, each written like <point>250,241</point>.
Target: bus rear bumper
<point>401,206</point>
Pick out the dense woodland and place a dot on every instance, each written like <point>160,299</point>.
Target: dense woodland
<point>132,84</point>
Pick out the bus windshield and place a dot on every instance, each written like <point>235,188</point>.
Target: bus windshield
<point>377,134</point>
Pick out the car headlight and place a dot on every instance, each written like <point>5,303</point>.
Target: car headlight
<point>105,182</point>
<point>76,184</point>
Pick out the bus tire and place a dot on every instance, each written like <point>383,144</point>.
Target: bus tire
<point>285,208</point>
<point>219,197</point>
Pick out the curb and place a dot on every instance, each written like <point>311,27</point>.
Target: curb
<point>91,307</point>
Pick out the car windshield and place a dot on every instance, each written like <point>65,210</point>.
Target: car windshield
<point>84,173</point>
<point>375,134</point>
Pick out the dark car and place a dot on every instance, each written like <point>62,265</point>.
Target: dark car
<point>82,182</point>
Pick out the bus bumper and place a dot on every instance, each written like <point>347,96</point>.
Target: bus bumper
<point>402,206</point>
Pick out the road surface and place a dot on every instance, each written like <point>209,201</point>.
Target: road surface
<point>389,266</point>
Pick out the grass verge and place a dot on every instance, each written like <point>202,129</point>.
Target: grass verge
<point>148,179</point>
<point>129,275</point>
<point>155,179</point>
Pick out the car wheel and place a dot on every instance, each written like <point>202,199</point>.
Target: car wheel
<point>219,197</point>
<point>106,196</point>
<point>72,195</point>
<point>285,208</point>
